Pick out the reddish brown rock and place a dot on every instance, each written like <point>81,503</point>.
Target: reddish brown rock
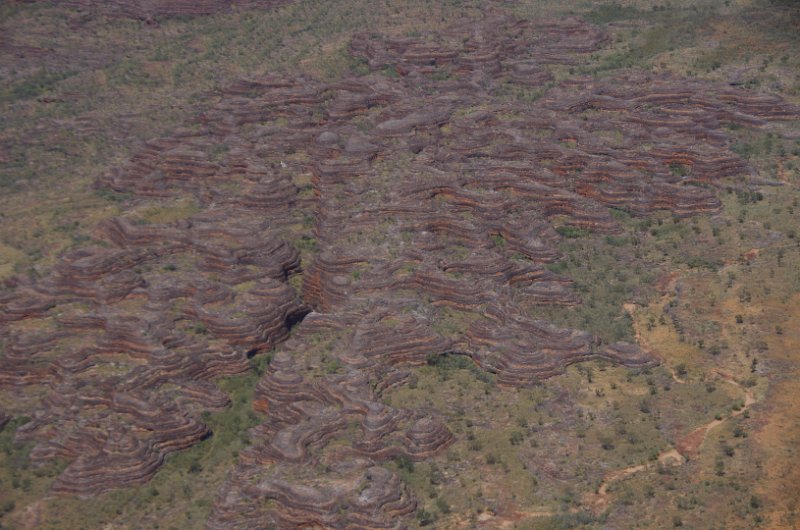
<point>426,203</point>
<point>366,497</point>
<point>155,9</point>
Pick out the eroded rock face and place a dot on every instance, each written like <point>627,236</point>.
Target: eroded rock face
<point>275,482</point>
<point>428,196</point>
<point>114,351</point>
<point>155,9</point>
<point>364,496</point>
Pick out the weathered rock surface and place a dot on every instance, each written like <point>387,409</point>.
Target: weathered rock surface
<point>427,197</point>
<point>120,342</point>
<point>155,9</point>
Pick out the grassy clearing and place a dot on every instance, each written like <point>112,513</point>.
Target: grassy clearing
<point>545,446</point>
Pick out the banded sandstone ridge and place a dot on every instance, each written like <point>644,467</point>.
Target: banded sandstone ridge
<point>426,205</point>
<point>152,10</point>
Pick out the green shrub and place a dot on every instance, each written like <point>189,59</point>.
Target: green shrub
<point>571,232</point>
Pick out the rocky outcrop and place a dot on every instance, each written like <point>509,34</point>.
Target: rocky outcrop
<point>309,418</point>
<point>155,9</point>
<point>522,351</point>
<point>630,355</point>
<point>366,496</point>
<point>453,245</point>
<point>465,49</point>
<point>425,198</point>
<point>131,331</point>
